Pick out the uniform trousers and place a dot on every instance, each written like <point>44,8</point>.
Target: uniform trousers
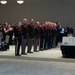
<point>45,43</point>
<point>17,47</point>
<point>51,41</point>
<point>30,44</point>
<point>54,42</point>
<point>36,44</point>
<point>23,47</point>
<point>41,43</point>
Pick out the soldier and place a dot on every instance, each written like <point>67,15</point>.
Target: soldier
<point>18,36</point>
<point>24,36</point>
<point>30,35</point>
<point>51,34</point>
<point>46,36</point>
<point>41,36</point>
<point>36,37</point>
<point>54,35</point>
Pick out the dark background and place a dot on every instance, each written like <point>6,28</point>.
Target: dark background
<point>41,10</point>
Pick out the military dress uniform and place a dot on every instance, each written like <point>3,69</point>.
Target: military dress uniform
<point>24,38</point>
<point>41,38</point>
<point>46,38</point>
<point>54,37</point>
<point>36,39</point>
<point>30,37</point>
<point>18,38</point>
<point>51,37</point>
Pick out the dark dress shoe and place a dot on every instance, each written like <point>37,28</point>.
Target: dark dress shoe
<point>41,49</point>
<point>30,52</point>
<point>24,53</point>
<point>36,51</point>
<point>45,49</point>
<point>17,55</point>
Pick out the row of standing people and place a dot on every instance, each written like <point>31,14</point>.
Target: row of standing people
<point>33,35</point>
<point>43,35</point>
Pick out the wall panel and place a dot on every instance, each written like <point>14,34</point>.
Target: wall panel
<point>40,10</point>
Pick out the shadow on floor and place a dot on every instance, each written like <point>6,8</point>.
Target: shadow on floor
<point>69,60</point>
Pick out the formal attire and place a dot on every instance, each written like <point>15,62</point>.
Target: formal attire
<point>41,38</point>
<point>24,38</point>
<point>18,38</point>
<point>30,37</point>
<point>36,39</point>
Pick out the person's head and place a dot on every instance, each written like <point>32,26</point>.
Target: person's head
<point>9,25</point>
<point>70,26</point>
<point>16,25</point>
<point>31,21</point>
<point>6,24</point>
<point>57,23</point>
<point>65,27</point>
<point>46,24</point>
<point>19,24</point>
<point>37,24</point>
<point>54,25</point>
<point>25,21</point>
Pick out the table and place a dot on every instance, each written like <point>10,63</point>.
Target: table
<point>68,50</point>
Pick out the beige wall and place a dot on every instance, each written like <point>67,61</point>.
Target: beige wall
<point>40,10</point>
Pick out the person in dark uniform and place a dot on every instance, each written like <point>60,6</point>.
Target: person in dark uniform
<point>31,32</point>
<point>42,37</point>
<point>18,36</point>
<point>46,39</point>
<point>51,35</point>
<point>24,36</point>
<point>15,30</point>
<point>36,37</point>
<point>54,35</point>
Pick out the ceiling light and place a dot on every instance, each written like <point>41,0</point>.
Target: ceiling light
<point>20,1</point>
<point>3,1</point>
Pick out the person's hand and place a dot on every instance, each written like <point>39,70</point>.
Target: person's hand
<point>10,29</point>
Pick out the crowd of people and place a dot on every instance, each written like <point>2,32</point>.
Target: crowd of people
<point>41,36</point>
